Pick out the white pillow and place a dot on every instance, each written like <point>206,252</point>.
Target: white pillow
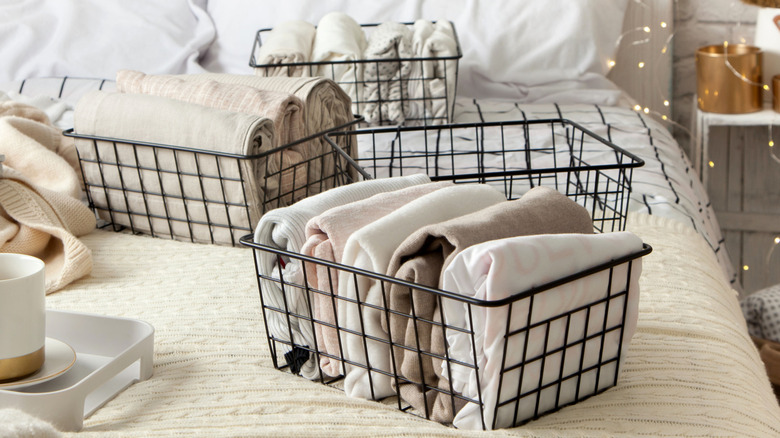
<point>95,38</point>
<point>507,45</point>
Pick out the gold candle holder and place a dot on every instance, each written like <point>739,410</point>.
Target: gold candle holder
<point>728,78</point>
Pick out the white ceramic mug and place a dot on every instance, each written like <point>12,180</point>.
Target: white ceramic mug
<point>22,315</point>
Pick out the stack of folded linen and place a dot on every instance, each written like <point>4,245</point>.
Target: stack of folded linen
<point>248,129</point>
<point>399,74</point>
<point>441,355</point>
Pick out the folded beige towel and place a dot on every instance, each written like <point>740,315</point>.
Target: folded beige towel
<point>290,42</point>
<point>201,194</point>
<point>339,45</point>
<point>285,109</point>
<point>326,106</point>
<point>40,211</point>
<point>326,236</point>
<point>423,256</point>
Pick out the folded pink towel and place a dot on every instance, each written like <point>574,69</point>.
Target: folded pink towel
<point>421,259</point>
<point>326,236</point>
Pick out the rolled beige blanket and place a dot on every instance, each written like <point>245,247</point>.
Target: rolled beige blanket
<point>326,106</point>
<point>288,43</point>
<point>184,195</point>
<point>285,109</point>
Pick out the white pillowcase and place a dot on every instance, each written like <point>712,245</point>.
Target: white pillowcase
<point>95,38</point>
<point>508,45</point>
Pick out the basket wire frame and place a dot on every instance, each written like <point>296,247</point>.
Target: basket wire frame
<point>196,195</point>
<point>360,100</point>
<point>511,156</point>
<point>286,355</point>
<point>590,170</point>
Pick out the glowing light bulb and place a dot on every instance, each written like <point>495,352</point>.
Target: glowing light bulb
<point>611,63</point>
<point>725,43</point>
<point>766,87</point>
<point>666,103</point>
<point>663,24</point>
<point>641,64</point>
<point>771,143</point>
<point>663,50</point>
<point>637,108</point>
<point>646,110</point>
<point>712,164</point>
<point>646,29</point>
<point>745,267</point>
<point>777,240</point>
<point>664,117</point>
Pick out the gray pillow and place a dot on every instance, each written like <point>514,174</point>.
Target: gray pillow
<point>762,313</point>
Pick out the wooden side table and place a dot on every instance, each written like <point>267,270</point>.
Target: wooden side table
<point>731,152</point>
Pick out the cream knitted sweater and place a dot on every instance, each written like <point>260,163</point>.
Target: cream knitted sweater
<point>40,211</point>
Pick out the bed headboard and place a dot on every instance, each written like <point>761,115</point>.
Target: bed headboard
<point>650,85</point>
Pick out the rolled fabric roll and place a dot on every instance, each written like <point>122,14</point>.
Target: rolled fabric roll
<point>286,111</point>
<point>326,106</point>
<point>340,39</point>
<point>386,86</point>
<point>289,42</point>
<point>193,190</point>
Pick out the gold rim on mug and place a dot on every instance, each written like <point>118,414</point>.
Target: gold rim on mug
<point>17,367</point>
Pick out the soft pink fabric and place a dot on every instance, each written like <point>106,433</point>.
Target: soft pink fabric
<point>326,235</point>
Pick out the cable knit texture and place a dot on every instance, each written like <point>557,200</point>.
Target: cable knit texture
<point>691,369</point>
<point>40,214</point>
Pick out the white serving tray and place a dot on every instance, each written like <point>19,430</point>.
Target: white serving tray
<point>111,354</point>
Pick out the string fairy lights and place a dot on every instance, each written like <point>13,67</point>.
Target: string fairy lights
<point>643,36</point>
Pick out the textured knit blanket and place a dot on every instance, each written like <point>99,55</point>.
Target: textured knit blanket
<point>691,368</point>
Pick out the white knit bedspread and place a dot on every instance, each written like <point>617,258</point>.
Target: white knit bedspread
<point>691,368</point>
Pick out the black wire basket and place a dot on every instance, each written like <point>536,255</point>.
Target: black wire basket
<point>514,157</point>
<point>425,96</point>
<point>197,195</point>
<point>511,156</point>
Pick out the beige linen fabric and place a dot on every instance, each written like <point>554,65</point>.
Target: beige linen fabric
<point>193,189</point>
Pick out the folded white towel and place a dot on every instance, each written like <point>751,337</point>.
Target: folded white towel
<point>289,42</point>
<point>284,228</point>
<point>371,248</point>
<point>386,87</point>
<point>498,269</point>
<point>439,75</point>
<point>339,42</point>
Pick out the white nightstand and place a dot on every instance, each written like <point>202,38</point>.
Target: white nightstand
<point>732,155</point>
